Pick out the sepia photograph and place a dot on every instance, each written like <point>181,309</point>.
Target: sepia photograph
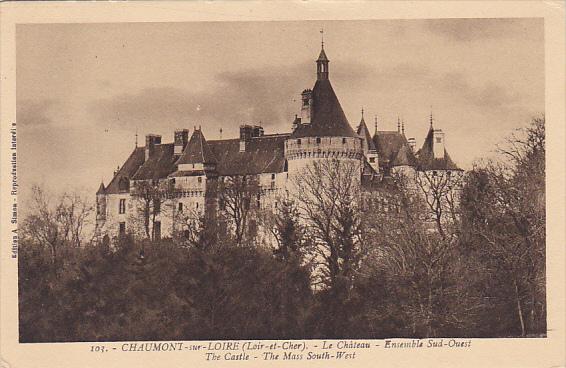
<point>281,180</point>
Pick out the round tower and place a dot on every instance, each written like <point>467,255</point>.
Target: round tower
<point>326,133</point>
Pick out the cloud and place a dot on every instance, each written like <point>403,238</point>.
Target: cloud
<point>31,113</point>
<point>249,96</point>
<point>489,96</point>
<point>466,30</point>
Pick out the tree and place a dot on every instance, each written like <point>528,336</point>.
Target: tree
<point>504,211</point>
<point>236,197</point>
<point>440,190</point>
<point>418,262</point>
<point>57,224</point>
<point>329,201</point>
<point>150,196</point>
<point>287,234</point>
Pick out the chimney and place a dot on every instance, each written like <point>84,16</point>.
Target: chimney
<point>181,140</point>
<point>247,132</point>
<point>306,106</point>
<point>438,143</point>
<point>150,141</point>
<point>412,143</point>
<point>245,136</point>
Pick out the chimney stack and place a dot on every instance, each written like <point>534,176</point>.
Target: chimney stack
<point>181,140</point>
<point>247,132</point>
<point>438,143</point>
<point>150,141</point>
<point>412,143</point>
<point>306,106</point>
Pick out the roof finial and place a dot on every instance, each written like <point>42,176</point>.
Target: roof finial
<point>403,126</point>
<point>431,115</point>
<point>136,137</point>
<point>398,125</point>
<point>220,133</point>
<point>322,37</point>
<point>362,113</point>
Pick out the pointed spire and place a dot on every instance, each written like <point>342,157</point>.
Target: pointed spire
<point>362,121</point>
<point>322,63</point>
<point>322,38</point>
<point>403,126</point>
<point>431,116</point>
<point>136,137</point>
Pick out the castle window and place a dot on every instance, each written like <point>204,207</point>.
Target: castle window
<point>317,140</point>
<point>122,206</point>
<point>199,179</point>
<point>299,141</point>
<point>438,140</point>
<point>272,176</point>
<point>196,204</point>
<point>372,160</point>
<point>343,140</point>
<point>180,207</point>
<point>122,228</point>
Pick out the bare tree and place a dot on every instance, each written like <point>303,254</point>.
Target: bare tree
<point>236,197</point>
<point>505,213</point>
<point>59,223</point>
<point>150,196</point>
<point>418,261</point>
<point>328,195</point>
<point>440,190</point>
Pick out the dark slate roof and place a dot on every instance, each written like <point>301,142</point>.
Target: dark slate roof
<point>160,164</point>
<point>363,132</point>
<point>389,143</point>
<point>426,160</point>
<point>265,154</point>
<point>101,188</point>
<point>404,157</point>
<point>197,151</point>
<point>328,118</point>
<point>322,56</point>
<point>127,170</point>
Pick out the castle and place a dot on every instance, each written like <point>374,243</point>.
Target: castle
<point>192,167</point>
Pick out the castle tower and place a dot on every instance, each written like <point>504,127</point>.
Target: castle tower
<point>327,134</point>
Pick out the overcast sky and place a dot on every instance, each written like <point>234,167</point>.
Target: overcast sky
<point>84,89</point>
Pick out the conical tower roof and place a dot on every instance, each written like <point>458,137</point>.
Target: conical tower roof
<point>101,188</point>
<point>364,133</point>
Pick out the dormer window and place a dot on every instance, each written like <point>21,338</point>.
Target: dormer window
<point>124,184</point>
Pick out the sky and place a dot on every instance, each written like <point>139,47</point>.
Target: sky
<point>84,90</point>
